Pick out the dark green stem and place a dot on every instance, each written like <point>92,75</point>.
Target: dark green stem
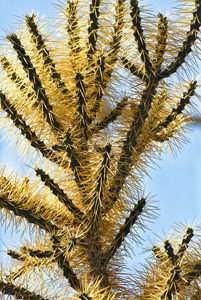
<point>139,36</point>
<point>191,37</point>
<point>59,193</point>
<point>19,292</point>
<point>40,45</point>
<point>124,231</point>
<point>37,85</point>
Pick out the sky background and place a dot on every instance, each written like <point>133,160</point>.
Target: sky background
<point>175,183</point>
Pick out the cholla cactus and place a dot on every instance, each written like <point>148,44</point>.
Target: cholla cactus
<point>96,100</point>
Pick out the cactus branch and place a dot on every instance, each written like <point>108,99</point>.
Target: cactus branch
<point>57,191</point>
<point>75,164</point>
<point>139,37</point>
<point>99,191</point>
<point>37,85</point>
<point>26,129</point>
<point>40,45</point>
<point>187,44</point>
<point>28,214</point>
<point>184,244</point>
<point>73,29</point>
<point>124,230</point>
<point>83,118</point>
<point>116,36</point>
<point>13,75</point>
<point>93,27</point>
<point>185,100</point>
<point>100,85</point>
<point>8,288</point>
<point>161,40</point>
<point>170,252</point>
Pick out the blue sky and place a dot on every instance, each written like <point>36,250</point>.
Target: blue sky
<point>175,184</point>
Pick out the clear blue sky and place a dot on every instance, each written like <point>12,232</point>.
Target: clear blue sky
<point>176,183</point>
